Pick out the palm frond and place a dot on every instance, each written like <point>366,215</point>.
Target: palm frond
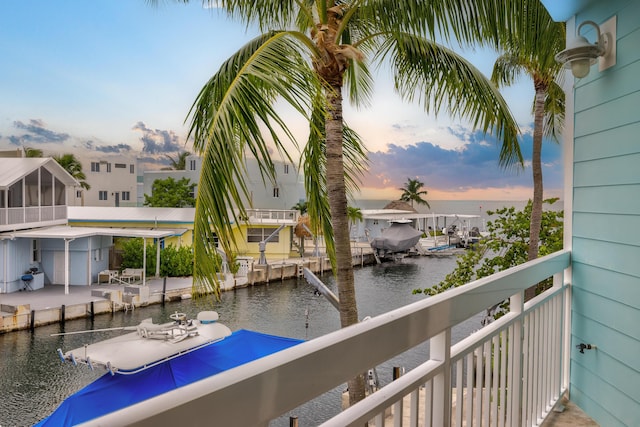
<point>313,163</point>
<point>358,79</point>
<point>230,118</point>
<point>506,70</point>
<point>479,22</point>
<point>554,107</point>
<point>266,14</point>
<point>442,79</point>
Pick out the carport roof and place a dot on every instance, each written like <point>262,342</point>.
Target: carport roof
<point>66,232</point>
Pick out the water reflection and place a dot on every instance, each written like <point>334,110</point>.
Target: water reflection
<point>33,381</point>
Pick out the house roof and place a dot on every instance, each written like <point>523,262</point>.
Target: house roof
<point>130,214</point>
<point>66,232</point>
<point>400,205</point>
<point>395,214</point>
<point>13,169</point>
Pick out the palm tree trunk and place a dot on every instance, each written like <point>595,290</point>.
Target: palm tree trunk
<point>336,190</point>
<point>536,166</point>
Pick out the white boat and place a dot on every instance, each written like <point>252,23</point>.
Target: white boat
<point>158,359</point>
<point>150,343</point>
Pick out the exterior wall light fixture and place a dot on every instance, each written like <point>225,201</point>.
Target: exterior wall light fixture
<point>580,54</point>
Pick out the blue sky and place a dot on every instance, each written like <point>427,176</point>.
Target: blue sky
<point>106,76</point>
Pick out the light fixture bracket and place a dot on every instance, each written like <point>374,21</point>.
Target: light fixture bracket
<point>581,54</point>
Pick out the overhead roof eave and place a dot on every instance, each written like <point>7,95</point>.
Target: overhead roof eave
<point>66,232</point>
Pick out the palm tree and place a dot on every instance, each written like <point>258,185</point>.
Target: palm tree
<point>412,193</point>
<point>308,53</point>
<point>300,207</point>
<point>33,152</point>
<point>530,49</point>
<point>180,162</point>
<point>353,214</point>
<point>72,165</point>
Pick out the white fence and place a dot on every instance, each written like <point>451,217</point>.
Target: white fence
<point>509,373</point>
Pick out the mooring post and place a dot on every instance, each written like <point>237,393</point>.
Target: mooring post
<point>32,324</point>
<point>293,421</point>
<point>164,290</point>
<point>62,312</point>
<point>93,311</point>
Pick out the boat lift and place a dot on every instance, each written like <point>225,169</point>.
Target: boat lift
<point>262,246</point>
<point>372,380</point>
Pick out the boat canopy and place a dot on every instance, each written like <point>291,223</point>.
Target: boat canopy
<point>110,393</point>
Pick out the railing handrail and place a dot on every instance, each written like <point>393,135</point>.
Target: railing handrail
<point>273,214</point>
<point>278,383</point>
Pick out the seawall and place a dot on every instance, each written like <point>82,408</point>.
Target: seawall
<point>19,313</point>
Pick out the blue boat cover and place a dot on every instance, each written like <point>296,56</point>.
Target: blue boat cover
<point>111,393</point>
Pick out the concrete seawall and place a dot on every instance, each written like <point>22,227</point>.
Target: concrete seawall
<point>28,310</point>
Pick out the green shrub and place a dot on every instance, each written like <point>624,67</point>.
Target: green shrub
<point>132,253</point>
<point>176,262</point>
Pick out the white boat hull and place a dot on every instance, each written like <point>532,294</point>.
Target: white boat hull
<point>149,345</point>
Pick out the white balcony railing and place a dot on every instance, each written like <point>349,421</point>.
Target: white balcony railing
<point>272,215</point>
<point>32,214</point>
<point>509,373</point>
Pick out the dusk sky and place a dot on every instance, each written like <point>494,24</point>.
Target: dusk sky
<point>104,76</point>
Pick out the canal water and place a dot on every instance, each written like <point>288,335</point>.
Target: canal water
<point>33,381</point>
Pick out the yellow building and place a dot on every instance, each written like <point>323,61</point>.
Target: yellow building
<point>274,228</point>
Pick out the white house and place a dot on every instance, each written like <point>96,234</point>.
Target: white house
<point>34,233</point>
<point>113,180</point>
<point>283,194</point>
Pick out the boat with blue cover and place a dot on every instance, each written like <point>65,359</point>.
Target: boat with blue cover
<point>155,359</point>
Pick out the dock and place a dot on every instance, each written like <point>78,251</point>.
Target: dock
<point>30,309</point>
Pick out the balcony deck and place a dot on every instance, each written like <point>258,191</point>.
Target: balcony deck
<point>511,372</point>
<point>571,416</point>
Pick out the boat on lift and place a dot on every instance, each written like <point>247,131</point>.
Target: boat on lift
<point>397,240</point>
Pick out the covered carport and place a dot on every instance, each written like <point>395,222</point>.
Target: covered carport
<point>69,234</point>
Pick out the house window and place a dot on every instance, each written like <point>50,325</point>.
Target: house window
<point>102,195</point>
<point>131,170</point>
<point>126,195</point>
<point>192,165</point>
<point>257,235</point>
<point>120,166</point>
<point>109,167</point>
<point>35,251</point>
<point>95,167</point>
<point>286,168</point>
<point>276,192</point>
<point>213,240</point>
<point>98,254</point>
<point>78,194</point>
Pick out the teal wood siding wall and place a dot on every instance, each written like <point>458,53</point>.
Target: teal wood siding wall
<point>606,227</point>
